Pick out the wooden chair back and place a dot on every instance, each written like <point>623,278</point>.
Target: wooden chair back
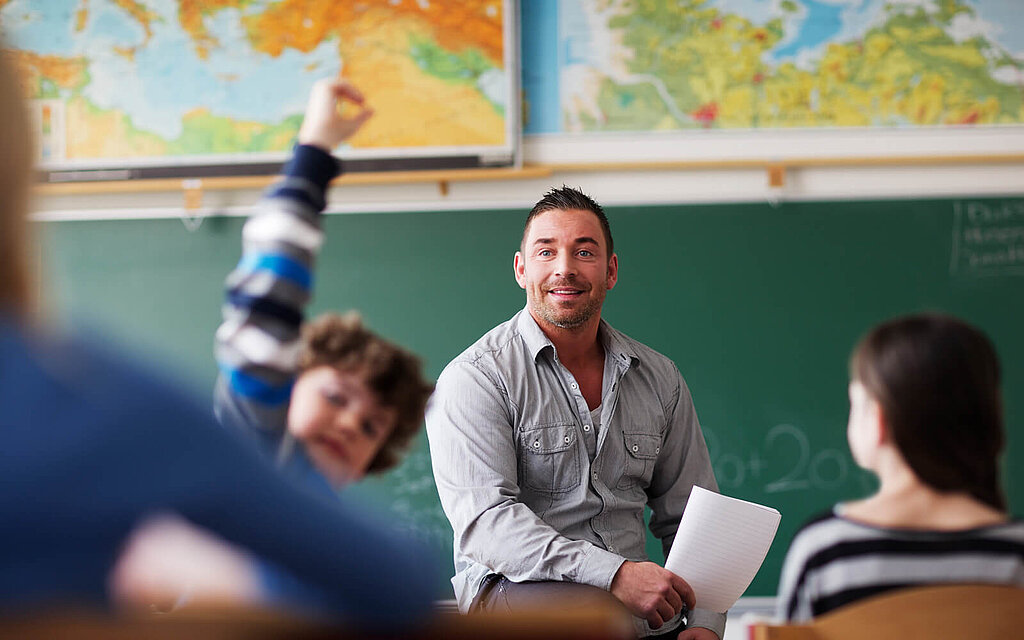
<point>562,622</point>
<point>949,612</point>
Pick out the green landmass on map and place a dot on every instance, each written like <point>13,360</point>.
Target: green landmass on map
<point>465,67</point>
<point>691,65</point>
<point>204,132</point>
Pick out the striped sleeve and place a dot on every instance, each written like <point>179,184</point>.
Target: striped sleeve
<point>257,344</point>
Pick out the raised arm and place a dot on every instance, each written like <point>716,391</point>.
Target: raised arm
<point>266,295</point>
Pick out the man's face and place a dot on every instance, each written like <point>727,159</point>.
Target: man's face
<point>340,422</point>
<point>565,268</point>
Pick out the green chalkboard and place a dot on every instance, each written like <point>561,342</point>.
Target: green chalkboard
<point>758,306</point>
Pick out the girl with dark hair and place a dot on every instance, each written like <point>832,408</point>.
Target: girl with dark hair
<point>926,418</point>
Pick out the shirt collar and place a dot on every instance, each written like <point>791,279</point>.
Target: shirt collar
<point>614,342</point>
<point>618,346</point>
<point>533,337</point>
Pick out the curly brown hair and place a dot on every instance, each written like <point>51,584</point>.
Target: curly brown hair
<point>391,372</point>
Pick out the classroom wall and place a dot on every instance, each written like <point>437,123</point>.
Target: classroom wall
<point>757,304</point>
<point>610,187</point>
<point>769,286</point>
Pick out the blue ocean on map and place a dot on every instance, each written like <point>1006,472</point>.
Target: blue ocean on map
<point>30,28</point>
<point>167,79</point>
<point>823,21</point>
<point>540,65</point>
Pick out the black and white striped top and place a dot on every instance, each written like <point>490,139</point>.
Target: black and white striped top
<point>834,561</point>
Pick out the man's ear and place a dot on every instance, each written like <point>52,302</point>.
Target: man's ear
<point>613,270</point>
<point>519,266</point>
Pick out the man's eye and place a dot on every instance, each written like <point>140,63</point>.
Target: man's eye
<point>586,253</point>
<point>544,253</point>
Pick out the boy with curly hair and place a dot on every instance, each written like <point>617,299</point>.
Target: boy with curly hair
<point>331,395</point>
<point>334,400</point>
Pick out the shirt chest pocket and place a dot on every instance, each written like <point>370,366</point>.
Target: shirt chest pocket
<point>549,458</point>
<point>642,450</point>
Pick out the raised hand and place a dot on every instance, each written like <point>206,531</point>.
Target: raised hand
<point>323,125</point>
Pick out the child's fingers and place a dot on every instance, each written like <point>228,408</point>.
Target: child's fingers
<point>346,90</point>
<point>361,117</point>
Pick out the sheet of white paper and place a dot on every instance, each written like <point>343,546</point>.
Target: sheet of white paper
<point>720,545</point>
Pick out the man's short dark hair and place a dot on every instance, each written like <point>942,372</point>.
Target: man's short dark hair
<point>567,199</point>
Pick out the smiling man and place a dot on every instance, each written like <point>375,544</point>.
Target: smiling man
<point>551,434</point>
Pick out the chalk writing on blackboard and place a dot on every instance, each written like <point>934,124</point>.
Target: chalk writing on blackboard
<point>988,238</point>
<point>805,469</point>
<point>409,495</point>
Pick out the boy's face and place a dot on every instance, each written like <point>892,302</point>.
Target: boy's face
<point>340,422</point>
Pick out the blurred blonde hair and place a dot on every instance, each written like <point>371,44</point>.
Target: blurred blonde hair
<point>16,171</point>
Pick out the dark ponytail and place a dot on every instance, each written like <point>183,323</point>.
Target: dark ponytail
<point>937,380</point>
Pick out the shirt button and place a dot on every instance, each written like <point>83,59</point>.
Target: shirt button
<point>595,475</point>
<point>635,448</point>
<point>536,444</point>
<point>586,427</point>
<point>657,449</point>
<point>575,386</point>
<point>566,439</point>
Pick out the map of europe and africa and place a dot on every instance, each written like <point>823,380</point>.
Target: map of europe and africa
<point>144,81</point>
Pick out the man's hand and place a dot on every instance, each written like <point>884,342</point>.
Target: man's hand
<point>651,592</point>
<point>698,633</point>
<point>324,126</point>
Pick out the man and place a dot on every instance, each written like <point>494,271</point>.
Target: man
<point>552,432</point>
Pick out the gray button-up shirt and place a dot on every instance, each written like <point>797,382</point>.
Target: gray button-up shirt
<point>509,431</point>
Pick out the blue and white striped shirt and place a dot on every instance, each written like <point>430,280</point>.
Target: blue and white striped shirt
<point>257,345</point>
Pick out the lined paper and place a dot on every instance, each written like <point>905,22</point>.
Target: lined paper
<point>720,545</point>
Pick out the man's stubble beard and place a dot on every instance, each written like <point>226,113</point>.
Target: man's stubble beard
<point>550,313</point>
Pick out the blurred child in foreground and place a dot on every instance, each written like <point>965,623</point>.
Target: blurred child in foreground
<point>93,444</point>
